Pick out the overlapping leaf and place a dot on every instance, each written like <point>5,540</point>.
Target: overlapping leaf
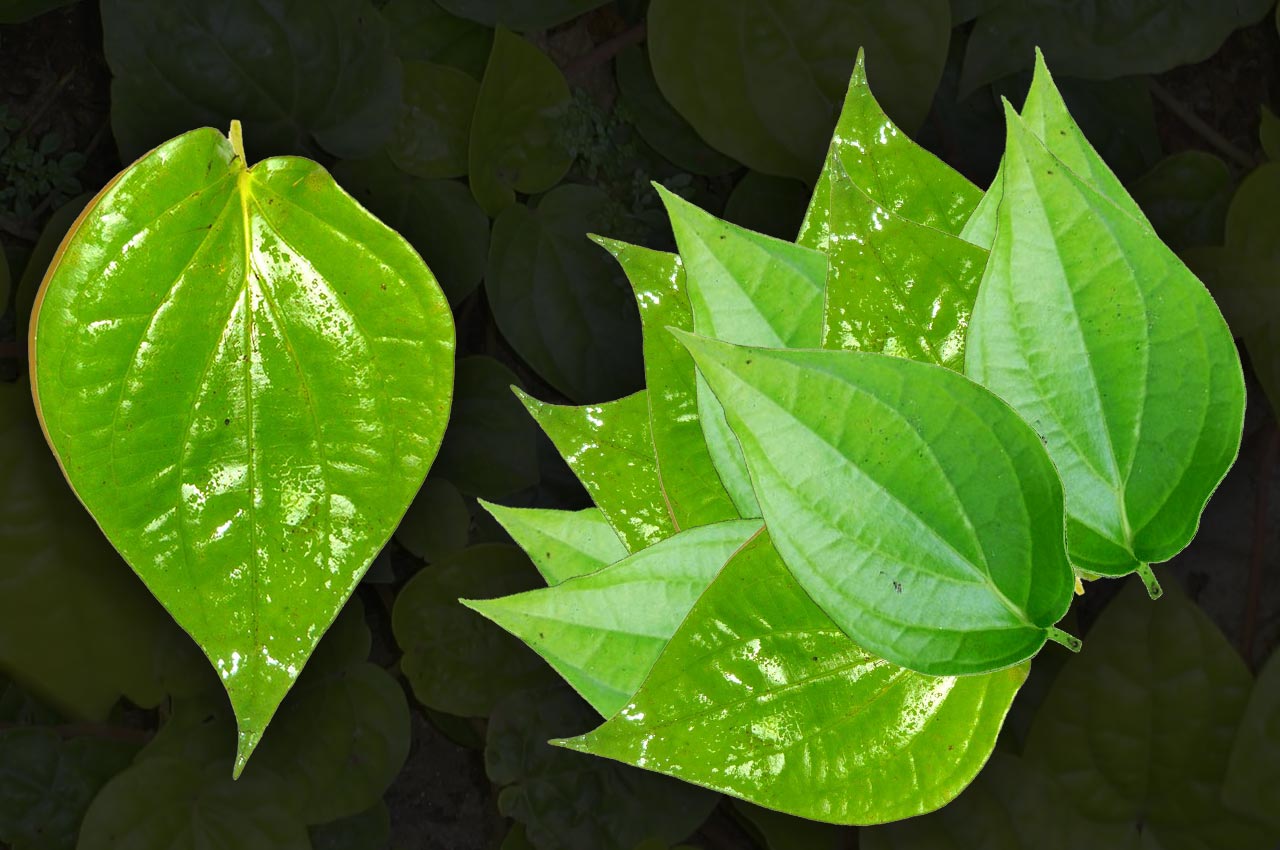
<point>762,696</point>
<point>431,138</point>
<point>192,395</point>
<point>562,544</point>
<point>1252,783</point>
<point>941,581</point>
<point>1112,350</point>
<point>603,631</point>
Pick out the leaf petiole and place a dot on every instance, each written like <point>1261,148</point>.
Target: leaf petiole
<point>1071,642</point>
<point>1149,579</point>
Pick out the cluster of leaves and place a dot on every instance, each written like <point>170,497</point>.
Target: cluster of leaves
<point>717,86</point>
<point>33,174</point>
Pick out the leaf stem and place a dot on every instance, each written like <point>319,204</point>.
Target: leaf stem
<point>605,50</point>
<point>237,142</point>
<point>1071,642</point>
<point>1154,590</point>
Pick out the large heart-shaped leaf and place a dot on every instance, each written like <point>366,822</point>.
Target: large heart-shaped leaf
<point>603,631</point>
<point>245,376</point>
<point>760,695</point>
<point>1103,340</point>
<point>760,80</point>
<point>680,449</point>
<point>918,510</point>
<point>750,289</point>
<point>295,71</point>
<point>609,448</point>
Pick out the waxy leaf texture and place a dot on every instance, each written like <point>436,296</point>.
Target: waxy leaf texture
<point>245,376</point>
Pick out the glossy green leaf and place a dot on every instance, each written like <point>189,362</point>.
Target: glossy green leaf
<point>683,459</point>
<point>46,784</point>
<point>559,300</point>
<point>749,289</point>
<point>368,830</point>
<point>940,581</point>
<point>77,628</point>
<point>514,144</point>
<point>657,121</point>
<point>1252,782</point>
<point>562,544</point>
<point>1103,340</point>
<point>424,32</point>
<point>568,801</point>
<point>297,73</point>
<point>760,695</point>
<point>608,446</point>
<point>438,217</point>
<point>1137,729</point>
<point>437,522</point>
<point>1185,197</point>
<point>603,631</point>
<point>895,286</point>
<point>455,660</point>
<point>491,447</point>
<point>1045,116</point>
<point>774,206</point>
<point>760,80</point>
<point>432,135</point>
<point>1012,805</point>
<point>1141,36</point>
<point>882,161</point>
<point>194,398</point>
<point>519,14</point>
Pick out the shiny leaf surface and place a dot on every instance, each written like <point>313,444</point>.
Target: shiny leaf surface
<point>455,660</point>
<point>603,631</point>
<point>297,73</point>
<point>893,507</point>
<point>760,695</point>
<point>562,544</point>
<point>192,395</point>
<point>683,459</point>
<point>760,80</point>
<point>749,289</point>
<point>514,145</point>
<point>608,446</point>
<point>1103,340</point>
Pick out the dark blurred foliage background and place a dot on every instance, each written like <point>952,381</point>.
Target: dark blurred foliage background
<point>494,134</point>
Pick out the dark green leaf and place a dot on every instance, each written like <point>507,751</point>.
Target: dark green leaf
<point>422,31</point>
<point>559,300</point>
<point>1252,782</point>
<point>603,631</point>
<point>490,449</point>
<point>431,137</point>
<point>369,830</point>
<point>1269,133</point>
<point>248,410</point>
<point>21,11</point>
<point>295,72</point>
<point>562,544</point>
<point>455,660</point>
<point>514,143</point>
<point>774,206</point>
<point>520,14</point>
<point>1185,197</point>
<point>609,448</point>
<point>760,80</point>
<point>762,696</point>
<point>893,505</point>
<point>437,522</point>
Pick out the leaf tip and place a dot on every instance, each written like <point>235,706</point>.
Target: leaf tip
<point>247,741</point>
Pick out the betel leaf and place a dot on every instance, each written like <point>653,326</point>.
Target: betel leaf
<point>609,448</point>
<point>437,522</point>
<point>515,146</point>
<point>1137,729</point>
<point>1142,36</point>
<point>422,31</point>
<point>438,217</point>
<point>1252,782</point>
<point>658,123</point>
<point>1112,350</point>
<point>749,289</point>
<point>296,72</point>
<point>561,544</point>
<point>895,286</point>
<point>882,161</point>
<point>760,695</point>
<point>568,801</point>
<point>520,15</point>
<point>1186,196</point>
<point>603,631</point>
<point>559,300</point>
<point>760,80</point>
<point>456,661</point>
<point>920,513</point>
<point>245,377</point>
<point>683,459</point>
<point>431,137</point>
